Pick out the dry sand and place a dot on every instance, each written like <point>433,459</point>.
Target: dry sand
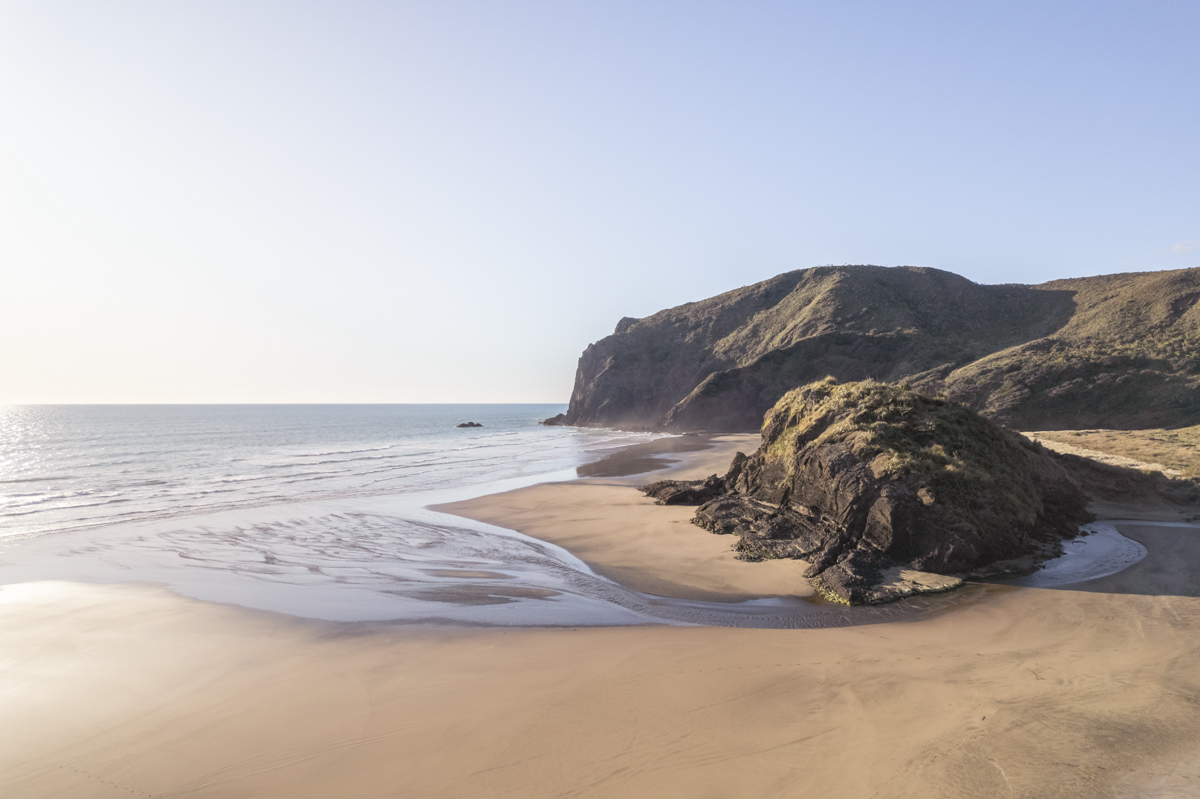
<point>132,691</point>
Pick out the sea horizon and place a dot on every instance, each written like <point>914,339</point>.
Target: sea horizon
<point>67,466</point>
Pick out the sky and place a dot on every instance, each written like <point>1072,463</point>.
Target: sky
<point>445,201</point>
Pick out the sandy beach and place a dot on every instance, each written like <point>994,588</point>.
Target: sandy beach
<point>348,349</point>
<point>627,538</point>
<point>1084,691</point>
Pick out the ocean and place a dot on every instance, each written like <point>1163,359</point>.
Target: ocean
<point>70,467</point>
<point>319,511</point>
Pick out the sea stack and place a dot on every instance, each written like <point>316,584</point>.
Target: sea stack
<point>881,489</point>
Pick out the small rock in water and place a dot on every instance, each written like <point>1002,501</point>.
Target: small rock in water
<point>470,424</point>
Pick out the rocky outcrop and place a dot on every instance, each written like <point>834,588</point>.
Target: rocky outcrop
<point>865,480</point>
<point>1117,351</point>
<point>685,492</point>
<point>469,424</point>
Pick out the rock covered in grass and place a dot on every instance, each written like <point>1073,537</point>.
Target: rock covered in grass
<point>869,480</point>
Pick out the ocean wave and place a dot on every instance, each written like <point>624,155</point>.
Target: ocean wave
<point>311,479</point>
<point>27,510</point>
<point>46,478</point>
<point>159,471</point>
<point>353,460</point>
<point>344,451</point>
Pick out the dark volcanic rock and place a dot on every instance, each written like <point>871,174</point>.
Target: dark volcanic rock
<point>864,479</point>
<point>556,420</point>
<point>1115,351</point>
<point>470,424</point>
<point>684,492</point>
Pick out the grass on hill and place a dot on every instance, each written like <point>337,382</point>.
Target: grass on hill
<point>1177,450</point>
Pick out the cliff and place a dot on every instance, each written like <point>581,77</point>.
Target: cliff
<point>1117,351</point>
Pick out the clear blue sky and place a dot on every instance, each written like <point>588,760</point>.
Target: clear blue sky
<point>446,201</point>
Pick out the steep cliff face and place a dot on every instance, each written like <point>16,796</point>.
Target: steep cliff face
<point>862,478</point>
<point>1114,351</point>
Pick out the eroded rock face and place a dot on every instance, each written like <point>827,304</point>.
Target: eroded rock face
<point>861,478</point>
<point>1116,351</point>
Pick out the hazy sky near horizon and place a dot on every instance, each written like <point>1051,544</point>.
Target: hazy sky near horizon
<point>447,201</point>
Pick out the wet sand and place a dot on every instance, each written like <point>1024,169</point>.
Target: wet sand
<point>624,536</point>
<point>1086,691</point>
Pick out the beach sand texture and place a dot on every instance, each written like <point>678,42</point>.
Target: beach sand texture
<point>1088,691</point>
<point>624,536</point>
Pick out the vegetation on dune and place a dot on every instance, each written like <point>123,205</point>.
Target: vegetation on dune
<point>1176,450</point>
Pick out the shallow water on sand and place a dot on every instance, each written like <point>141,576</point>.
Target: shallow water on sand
<point>1099,551</point>
<point>310,510</point>
<point>389,559</point>
<point>321,512</point>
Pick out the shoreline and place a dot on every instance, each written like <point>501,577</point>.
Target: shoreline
<point>1070,692</point>
<point>655,550</point>
<point>626,537</point>
<point>600,552</point>
<point>1074,691</point>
